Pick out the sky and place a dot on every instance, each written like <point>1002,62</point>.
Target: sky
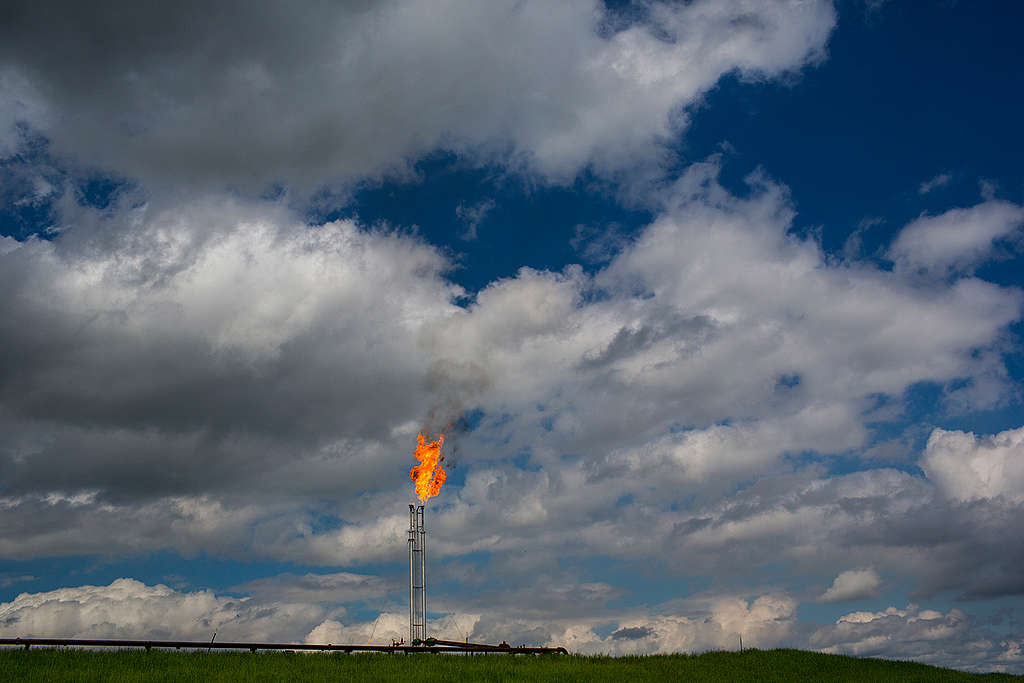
<point>720,305</point>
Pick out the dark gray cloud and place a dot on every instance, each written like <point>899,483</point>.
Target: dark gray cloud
<point>317,588</point>
<point>207,347</point>
<point>521,593</point>
<point>962,546</point>
<point>248,94</point>
<point>493,629</point>
<point>687,332</point>
<point>634,633</point>
<point>453,385</point>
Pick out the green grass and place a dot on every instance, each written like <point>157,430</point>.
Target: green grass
<point>753,665</point>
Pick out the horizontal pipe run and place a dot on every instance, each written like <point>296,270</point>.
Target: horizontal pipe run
<point>463,645</point>
<point>253,647</point>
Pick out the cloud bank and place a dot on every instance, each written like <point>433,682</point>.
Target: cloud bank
<point>254,94</point>
<point>129,609</point>
<point>276,364</point>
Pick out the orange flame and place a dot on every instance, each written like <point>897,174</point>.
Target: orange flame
<point>428,475</point>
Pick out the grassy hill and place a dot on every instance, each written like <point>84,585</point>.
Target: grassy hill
<point>751,665</point>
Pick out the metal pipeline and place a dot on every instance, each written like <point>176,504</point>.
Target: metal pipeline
<point>441,646</point>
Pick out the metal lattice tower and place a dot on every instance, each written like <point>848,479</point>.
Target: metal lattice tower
<point>417,574</point>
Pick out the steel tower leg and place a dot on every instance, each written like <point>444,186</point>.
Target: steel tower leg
<point>417,574</point>
<point>412,581</point>
<point>423,571</point>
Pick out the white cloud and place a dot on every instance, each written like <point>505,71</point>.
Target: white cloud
<point>9,579</point>
<point>940,180</point>
<point>473,215</point>
<point>923,635</point>
<point>957,240</point>
<point>130,609</point>
<point>967,467</point>
<point>764,622</point>
<point>716,326</point>
<point>388,627</point>
<point>230,365</point>
<point>853,584</point>
<point>716,623</point>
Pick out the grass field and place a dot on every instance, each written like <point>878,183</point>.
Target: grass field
<point>753,665</point>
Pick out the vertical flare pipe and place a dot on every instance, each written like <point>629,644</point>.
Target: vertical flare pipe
<point>412,541</point>
<point>423,569</point>
<point>417,574</point>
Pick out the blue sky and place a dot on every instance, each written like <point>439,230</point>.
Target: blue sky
<point>725,300</point>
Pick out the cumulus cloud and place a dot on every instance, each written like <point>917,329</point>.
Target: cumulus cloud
<point>895,521</point>
<point>142,340</point>
<point>716,623</point>
<point>384,630</point>
<point>853,584</point>
<point>957,240</point>
<point>632,633</point>
<point>967,467</point>
<point>714,279</point>
<point>232,368</point>
<point>130,609</point>
<point>127,608</point>
<point>250,94</point>
<point>926,635</point>
<point>923,635</point>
